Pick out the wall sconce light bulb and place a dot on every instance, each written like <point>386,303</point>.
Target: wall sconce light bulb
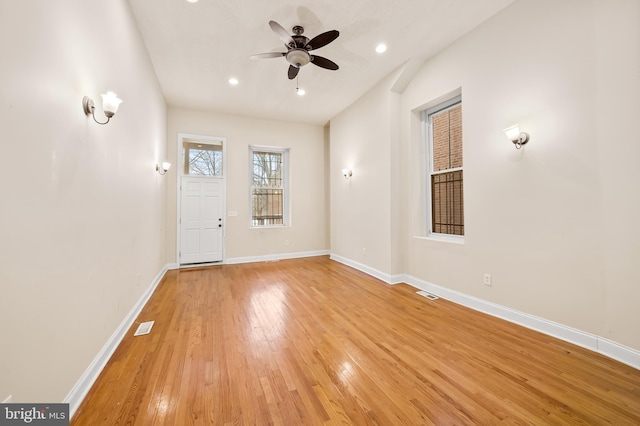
<point>165,168</point>
<point>110,104</point>
<point>516,136</point>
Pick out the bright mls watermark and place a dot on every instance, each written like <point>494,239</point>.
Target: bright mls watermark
<point>34,414</point>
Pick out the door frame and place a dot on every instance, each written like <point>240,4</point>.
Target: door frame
<point>179,174</point>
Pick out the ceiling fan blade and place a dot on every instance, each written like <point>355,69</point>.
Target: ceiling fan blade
<point>282,33</point>
<point>324,63</point>
<point>293,72</point>
<point>268,55</point>
<point>322,39</point>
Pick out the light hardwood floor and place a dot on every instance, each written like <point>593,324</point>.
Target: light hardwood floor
<point>311,341</point>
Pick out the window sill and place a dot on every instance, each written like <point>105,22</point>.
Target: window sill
<point>268,226</point>
<point>442,238</point>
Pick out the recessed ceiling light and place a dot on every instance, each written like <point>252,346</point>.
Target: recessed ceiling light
<point>381,48</point>
<point>233,81</point>
<point>300,92</point>
<point>192,1</point>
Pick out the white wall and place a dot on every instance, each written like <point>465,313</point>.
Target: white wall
<point>309,222</point>
<point>530,214</point>
<point>360,140</point>
<point>554,222</point>
<point>617,35</point>
<point>82,216</point>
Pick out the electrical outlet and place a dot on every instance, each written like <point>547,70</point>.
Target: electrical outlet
<point>364,251</point>
<point>487,279</point>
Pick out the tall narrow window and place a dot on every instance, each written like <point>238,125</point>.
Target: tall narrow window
<point>444,130</point>
<point>269,193</point>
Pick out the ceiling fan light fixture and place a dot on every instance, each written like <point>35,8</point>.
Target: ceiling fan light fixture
<point>298,57</point>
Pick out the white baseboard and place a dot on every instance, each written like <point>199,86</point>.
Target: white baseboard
<point>274,257</point>
<point>580,338</point>
<point>382,276</point>
<point>619,352</point>
<point>81,388</point>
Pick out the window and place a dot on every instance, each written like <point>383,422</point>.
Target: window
<point>445,186</point>
<point>202,158</point>
<point>269,186</point>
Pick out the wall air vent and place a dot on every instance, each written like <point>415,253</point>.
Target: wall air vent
<point>427,295</point>
<point>144,328</point>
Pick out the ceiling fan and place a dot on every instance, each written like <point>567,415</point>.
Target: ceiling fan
<point>298,48</point>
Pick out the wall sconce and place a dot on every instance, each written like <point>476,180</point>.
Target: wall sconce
<point>110,104</point>
<point>516,136</point>
<point>347,173</point>
<point>165,167</point>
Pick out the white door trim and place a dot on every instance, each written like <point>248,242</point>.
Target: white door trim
<point>179,174</point>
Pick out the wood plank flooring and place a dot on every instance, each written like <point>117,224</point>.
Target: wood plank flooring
<point>311,341</point>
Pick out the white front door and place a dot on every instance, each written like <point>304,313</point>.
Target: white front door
<point>201,219</point>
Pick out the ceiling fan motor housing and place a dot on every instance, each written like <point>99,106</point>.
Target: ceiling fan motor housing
<point>300,41</point>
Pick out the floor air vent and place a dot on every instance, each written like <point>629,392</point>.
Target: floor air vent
<point>144,328</point>
<point>427,295</point>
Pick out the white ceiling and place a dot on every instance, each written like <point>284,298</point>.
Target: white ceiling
<point>196,47</point>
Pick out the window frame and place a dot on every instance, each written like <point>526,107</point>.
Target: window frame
<point>286,216</point>
<point>427,119</point>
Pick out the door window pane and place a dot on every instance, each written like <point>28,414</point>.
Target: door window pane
<point>202,159</point>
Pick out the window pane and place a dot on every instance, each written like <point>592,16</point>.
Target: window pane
<point>267,206</point>
<point>447,139</point>
<point>267,169</point>
<point>447,207</point>
<point>202,159</point>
